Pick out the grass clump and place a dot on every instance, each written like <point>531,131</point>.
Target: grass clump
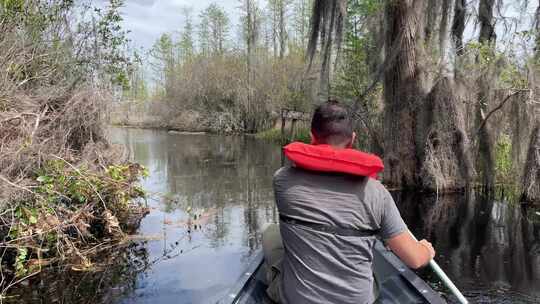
<point>275,135</point>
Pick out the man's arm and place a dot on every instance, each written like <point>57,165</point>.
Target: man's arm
<point>413,253</point>
<point>396,235</point>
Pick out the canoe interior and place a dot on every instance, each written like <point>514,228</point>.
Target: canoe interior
<point>397,283</point>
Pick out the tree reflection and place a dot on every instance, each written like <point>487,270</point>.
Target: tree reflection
<point>483,243</point>
<point>114,275</point>
<point>220,187</point>
<point>225,177</point>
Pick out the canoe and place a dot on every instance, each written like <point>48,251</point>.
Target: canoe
<point>397,283</point>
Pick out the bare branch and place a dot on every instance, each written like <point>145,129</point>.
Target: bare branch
<point>497,108</point>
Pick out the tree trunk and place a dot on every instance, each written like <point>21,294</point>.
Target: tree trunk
<point>485,16</point>
<point>486,157</point>
<point>537,29</point>
<point>403,92</point>
<point>282,30</point>
<point>324,89</point>
<point>531,175</point>
<point>375,55</point>
<point>443,29</point>
<point>274,28</point>
<point>446,163</point>
<point>432,11</point>
<point>303,24</point>
<point>531,171</point>
<point>250,35</point>
<point>521,124</point>
<point>458,25</point>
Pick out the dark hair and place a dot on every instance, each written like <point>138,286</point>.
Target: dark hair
<point>331,124</point>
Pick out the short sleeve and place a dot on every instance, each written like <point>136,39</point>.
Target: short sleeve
<point>391,222</point>
<point>277,184</point>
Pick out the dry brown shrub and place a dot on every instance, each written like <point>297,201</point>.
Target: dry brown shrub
<point>35,129</point>
<point>50,116</point>
<point>60,138</point>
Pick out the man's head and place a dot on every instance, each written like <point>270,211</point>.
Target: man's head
<point>332,125</point>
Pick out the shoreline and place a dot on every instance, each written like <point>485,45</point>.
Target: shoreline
<point>186,131</point>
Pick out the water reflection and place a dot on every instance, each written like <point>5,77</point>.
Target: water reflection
<point>115,273</point>
<point>214,196</point>
<point>490,247</point>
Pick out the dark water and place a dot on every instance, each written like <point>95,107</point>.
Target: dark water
<point>490,248</point>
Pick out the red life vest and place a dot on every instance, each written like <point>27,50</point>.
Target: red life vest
<point>326,158</point>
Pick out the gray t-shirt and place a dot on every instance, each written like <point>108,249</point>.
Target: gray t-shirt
<point>321,267</point>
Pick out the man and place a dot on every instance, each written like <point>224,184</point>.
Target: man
<point>328,225</point>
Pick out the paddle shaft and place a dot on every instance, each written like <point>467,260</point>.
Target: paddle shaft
<point>446,280</point>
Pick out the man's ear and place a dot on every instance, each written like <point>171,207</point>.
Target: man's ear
<point>313,139</point>
<point>353,138</point>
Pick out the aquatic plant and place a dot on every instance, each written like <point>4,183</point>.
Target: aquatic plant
<point>275,135</point>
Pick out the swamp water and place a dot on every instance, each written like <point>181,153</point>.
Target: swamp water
<point>211,197</point>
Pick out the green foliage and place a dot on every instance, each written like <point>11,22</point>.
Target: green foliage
<point>112,39</point>
<point>301,21</point>
<point>75,49</point>
<point>138,86</point>
<point>163,59</point>
<point>214,29</point>
<point>62,185</point>
<point>52,50</point>
<point>360,62</point>
<point>186,45</point>
<point>11,7</point>
<point>366,7</point>
<point>512,77</point>
<point>214,81</point>
<point>510,72</point>
<point>503,160</point>
<point>303,135</point>
<point>34,15</point>
<point>274,135</point>
<point>67,198</point>
<point>485,52</point>
<point>359,52</point>
<point>20,259</point>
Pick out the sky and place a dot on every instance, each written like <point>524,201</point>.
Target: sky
<point>148,19</point>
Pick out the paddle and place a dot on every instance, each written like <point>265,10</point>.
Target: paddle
<point>445,279</point>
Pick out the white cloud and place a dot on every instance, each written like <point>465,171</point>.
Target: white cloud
<point>148,19</point>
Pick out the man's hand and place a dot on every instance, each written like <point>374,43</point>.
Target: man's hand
<point>429,247</point>
<point>413,253</point>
